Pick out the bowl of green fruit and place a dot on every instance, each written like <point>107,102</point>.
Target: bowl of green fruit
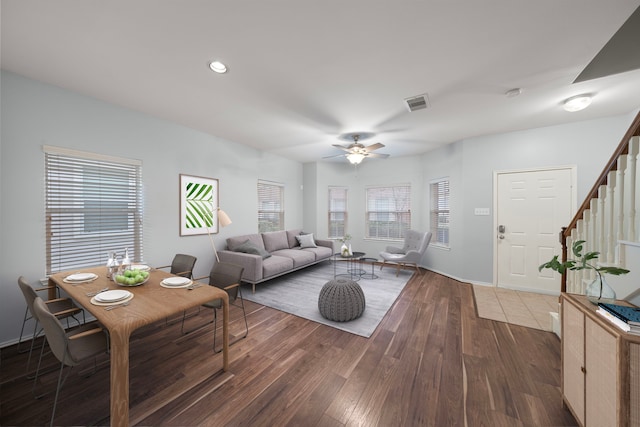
<point>132,278</point>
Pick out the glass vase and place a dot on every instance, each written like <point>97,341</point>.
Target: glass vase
<point>344,250</point>
<point>600,291</point>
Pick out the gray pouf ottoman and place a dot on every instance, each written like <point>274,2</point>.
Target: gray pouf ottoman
<point>341,300</point>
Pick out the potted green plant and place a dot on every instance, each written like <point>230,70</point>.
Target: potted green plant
<point>598,289</point>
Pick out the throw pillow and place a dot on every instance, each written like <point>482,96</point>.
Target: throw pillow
<point>249,247</point>
<point>306,241</point>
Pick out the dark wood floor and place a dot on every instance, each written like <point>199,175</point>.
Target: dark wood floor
<point>431,362</point>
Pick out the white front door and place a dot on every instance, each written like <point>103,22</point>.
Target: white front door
<point>531,209</point>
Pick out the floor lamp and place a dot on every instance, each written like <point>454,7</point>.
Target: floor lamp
<point>223,220</point>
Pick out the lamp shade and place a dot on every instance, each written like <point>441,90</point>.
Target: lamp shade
<point>223,218</point>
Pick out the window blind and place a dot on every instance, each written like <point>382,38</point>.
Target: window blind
<point>440,212</point>
<point>270,206</point>
<point>93,205</point>
<point>388,213</point>
<point>337,212</point>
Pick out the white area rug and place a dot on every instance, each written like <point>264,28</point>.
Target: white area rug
<point>297,293</point>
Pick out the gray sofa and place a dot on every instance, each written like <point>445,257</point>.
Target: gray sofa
<point>268,255</point>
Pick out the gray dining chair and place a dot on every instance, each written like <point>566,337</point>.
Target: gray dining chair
<point>62,308</point>
<point>415,245</point>
<point>182,265</point>
<point>70,347</point>
<point>225,276</point>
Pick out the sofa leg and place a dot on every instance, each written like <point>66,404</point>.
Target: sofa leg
<point>398,269</point>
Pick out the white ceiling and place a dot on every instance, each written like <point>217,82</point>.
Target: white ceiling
<point>303,72</point>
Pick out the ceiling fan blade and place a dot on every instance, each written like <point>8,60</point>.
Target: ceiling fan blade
<point>375,146</point>
<point>341,147</point>
<point>378,155</point>
<point>332,157</point>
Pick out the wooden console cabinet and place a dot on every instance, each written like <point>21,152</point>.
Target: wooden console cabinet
<point>600,367</point>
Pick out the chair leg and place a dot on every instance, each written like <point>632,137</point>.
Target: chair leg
<point>24,322</point>
<point>244,314</point>
<point>33,341</point>
<point>215,325</point>
<point>184,316</point>
<point>61,382</point>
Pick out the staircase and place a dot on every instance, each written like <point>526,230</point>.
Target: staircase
<point>609,218</point>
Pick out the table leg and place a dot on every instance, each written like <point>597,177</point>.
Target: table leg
<point>119,378</point>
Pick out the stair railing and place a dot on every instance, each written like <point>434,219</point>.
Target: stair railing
<point>595,199</point>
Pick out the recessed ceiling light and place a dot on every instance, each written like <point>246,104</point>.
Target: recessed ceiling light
<point>218,67</point>
<point>577,103</point>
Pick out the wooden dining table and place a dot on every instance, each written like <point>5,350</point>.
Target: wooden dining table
<point>151,302</point>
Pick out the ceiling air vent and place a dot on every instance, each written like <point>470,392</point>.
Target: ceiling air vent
<point>417,102</point>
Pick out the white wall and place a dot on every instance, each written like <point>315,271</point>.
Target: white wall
<point>587,144</point>
<point>35,114</point>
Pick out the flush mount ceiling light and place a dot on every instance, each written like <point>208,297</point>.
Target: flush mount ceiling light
<point>577,103</point>
<point>218,67</point>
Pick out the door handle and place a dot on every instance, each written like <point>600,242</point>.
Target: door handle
<point>501,236</point>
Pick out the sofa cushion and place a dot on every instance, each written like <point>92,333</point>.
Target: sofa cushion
<point>234,242</point>
<point>306,241</point>
<point>248,247</point>
<point>275,240</point>
<point>319,252</point>
<point>291,237</point>
<point>276,265</point>
<point>299,256</point>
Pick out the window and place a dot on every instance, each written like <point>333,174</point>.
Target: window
<point>440,212</point>
<point>388,213</point>
<point>270,206</point>
<point>93,206</point>
<point>337,212</point>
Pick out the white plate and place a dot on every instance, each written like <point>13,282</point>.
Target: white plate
<point>141,267</point>
<point>80,277</point>
<point>112,296</point>
<point>176,281</point>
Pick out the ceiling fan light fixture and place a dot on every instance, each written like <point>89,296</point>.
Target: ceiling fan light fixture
<point>355,158</point>
<point>577,103</point>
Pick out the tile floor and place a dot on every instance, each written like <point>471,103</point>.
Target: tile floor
<point>517,307</point>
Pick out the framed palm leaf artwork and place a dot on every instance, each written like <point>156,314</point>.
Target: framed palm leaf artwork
<point>198,205</point>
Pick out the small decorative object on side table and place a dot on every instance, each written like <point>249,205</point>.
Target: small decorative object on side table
<point>345,249</point>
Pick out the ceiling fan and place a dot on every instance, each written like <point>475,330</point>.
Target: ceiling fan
<point>357,152</point>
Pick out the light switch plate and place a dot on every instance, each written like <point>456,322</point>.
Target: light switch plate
<point>482,211</point>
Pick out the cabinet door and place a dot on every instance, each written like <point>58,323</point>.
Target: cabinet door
<point>601,355</point>
<point>573,358</point>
